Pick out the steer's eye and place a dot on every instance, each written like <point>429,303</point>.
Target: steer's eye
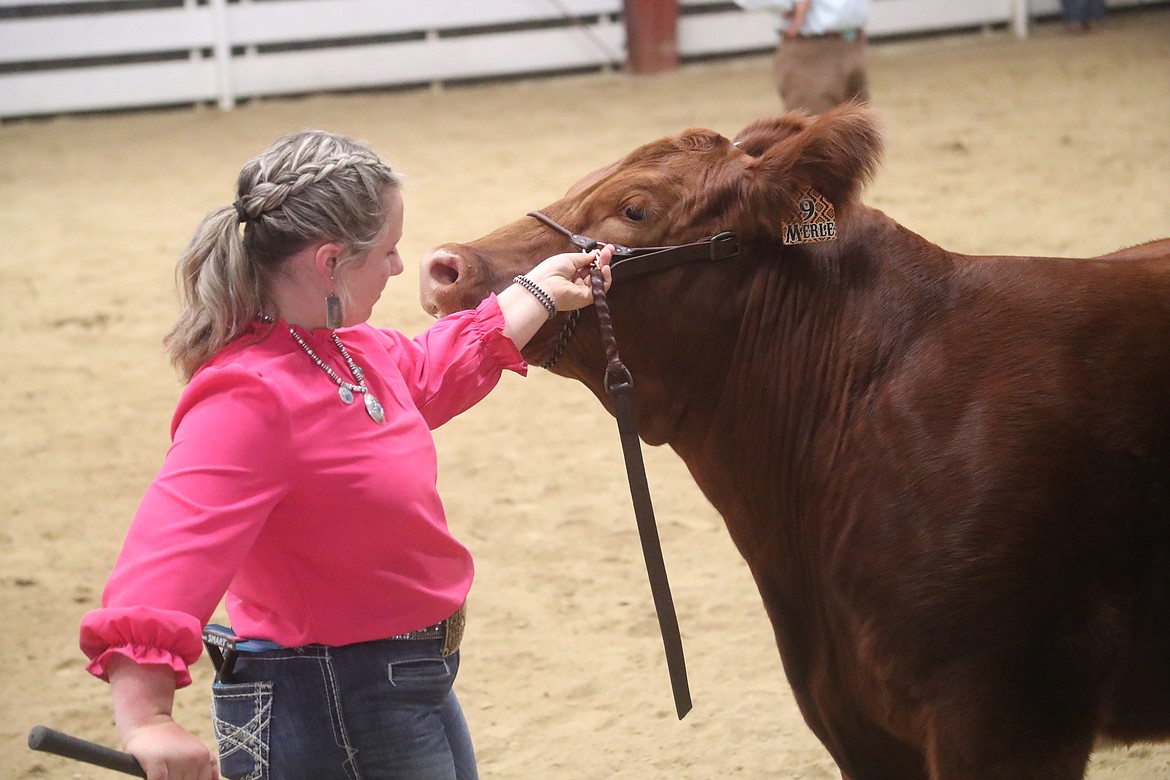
<point>636,213</point>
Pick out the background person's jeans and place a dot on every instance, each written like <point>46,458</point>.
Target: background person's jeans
<point>374,710</point>
<point>1082,11</point>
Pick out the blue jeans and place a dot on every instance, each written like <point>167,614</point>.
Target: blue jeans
<point>374,710</point>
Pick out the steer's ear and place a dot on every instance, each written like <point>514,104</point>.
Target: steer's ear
<point>835,153</point>
<point>839,152</point>
<point>763,134</point>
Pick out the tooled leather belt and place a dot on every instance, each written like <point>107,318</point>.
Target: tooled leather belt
<point>450,630</point>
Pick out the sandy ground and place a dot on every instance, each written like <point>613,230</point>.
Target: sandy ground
<point>1055,145</point>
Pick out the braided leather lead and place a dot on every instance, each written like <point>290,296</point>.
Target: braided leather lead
<point>614,368</point>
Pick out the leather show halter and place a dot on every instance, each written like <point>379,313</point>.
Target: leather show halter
<point>648,260</point>
<point>629,262</point>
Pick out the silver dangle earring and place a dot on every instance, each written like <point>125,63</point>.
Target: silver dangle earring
<point>332,310</point>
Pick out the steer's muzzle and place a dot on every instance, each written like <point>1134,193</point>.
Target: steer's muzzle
<point>439,276</point>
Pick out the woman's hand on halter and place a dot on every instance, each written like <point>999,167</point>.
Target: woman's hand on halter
<point>566,277</point>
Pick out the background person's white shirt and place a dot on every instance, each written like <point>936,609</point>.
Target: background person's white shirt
<point>824,16</point>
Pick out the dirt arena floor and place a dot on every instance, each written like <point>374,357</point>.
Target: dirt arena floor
<point>1058,144</point>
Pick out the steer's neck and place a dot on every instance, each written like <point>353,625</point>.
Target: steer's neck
<point>816,328</point>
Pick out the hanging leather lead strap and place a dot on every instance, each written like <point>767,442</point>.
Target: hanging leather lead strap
<point>620,386</point>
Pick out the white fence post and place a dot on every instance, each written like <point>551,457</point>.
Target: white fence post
<point>1020,18</point>
<point>223,54</point>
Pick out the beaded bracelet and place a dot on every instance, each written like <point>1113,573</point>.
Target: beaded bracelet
<point>538,292</point>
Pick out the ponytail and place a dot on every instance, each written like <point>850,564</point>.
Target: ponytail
<point>221,292</point>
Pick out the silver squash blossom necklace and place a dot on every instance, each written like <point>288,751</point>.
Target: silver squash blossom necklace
<point>346,389</point>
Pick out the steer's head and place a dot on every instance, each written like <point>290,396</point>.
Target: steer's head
<point>675,190</point>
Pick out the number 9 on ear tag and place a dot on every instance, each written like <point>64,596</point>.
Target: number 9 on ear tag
<point>815,220</point>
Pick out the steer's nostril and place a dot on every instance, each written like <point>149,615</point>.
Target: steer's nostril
<point>444,270</point>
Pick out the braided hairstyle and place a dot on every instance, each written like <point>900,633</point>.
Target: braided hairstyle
<point>308,187</point>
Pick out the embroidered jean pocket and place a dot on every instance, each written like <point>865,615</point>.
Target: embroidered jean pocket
<point>242,717</point>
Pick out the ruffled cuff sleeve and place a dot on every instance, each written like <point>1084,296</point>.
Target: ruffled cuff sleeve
<point>145,635</point>
<point>497,348</point>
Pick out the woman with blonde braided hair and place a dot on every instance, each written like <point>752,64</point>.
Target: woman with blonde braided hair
<point>301,484</point>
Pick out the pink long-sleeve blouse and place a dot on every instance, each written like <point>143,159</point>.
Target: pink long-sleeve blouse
<point>320,525</point>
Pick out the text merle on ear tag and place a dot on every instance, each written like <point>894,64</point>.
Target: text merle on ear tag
<point>815,220</point>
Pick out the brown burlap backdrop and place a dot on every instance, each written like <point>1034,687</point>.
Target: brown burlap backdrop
<point>1053,145</point>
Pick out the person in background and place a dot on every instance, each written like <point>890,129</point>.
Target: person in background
<point>1080,15</point>
<point>301,482</point>
<point>820,59</point>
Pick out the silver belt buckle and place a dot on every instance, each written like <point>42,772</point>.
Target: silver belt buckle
<point>453,633</point>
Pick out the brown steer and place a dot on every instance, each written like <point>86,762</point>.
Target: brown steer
<point>950,475</point>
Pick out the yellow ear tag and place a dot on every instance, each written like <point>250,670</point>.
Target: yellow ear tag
<point>815,220</point>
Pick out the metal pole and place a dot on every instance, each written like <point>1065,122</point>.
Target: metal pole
<point>652,35</point>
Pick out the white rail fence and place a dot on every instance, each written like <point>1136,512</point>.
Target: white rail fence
<point>723,31</point>
<point>63,56</point>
